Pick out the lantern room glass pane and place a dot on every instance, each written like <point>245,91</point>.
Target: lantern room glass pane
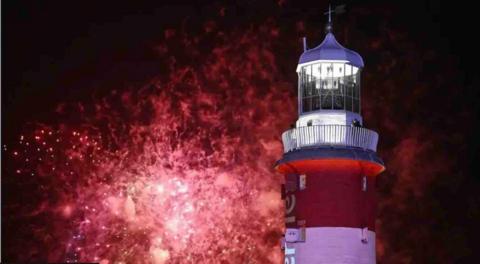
<point>329,85</point>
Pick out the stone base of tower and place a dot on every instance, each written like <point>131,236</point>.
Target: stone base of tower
<point>333,245</point>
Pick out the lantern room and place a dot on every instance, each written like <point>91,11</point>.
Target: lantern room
<point>329,85</point>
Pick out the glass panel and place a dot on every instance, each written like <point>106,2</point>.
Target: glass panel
<point>316,86</point>
<point>348,103</point>
<point>338,103</point>
<point>350,89</point>
<point>327,101</point>
<point>316,70</point>
<point>337,70</point>
<point>306,104</point>
<point>355,91</point>
<point>348,69</point>
<point>303,81</point>
<point>316,103</point>
<point>356,106</point>
<point>354,70</point>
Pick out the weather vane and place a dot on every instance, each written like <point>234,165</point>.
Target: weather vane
<point>338,10</point>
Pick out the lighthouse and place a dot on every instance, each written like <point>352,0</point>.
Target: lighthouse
<point>329,162</point>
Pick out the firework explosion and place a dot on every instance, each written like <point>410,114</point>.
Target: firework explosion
<point>180,170</point>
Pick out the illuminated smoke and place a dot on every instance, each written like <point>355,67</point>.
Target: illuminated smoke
<point>177,171</point>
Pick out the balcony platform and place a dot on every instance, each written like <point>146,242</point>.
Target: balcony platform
<point>314,148</point>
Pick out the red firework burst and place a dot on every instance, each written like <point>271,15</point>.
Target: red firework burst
<point>179,170</point>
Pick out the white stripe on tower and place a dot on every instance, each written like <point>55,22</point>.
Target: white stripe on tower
<point>335,245</point>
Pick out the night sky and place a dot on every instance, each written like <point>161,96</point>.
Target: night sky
<point>189,97</point>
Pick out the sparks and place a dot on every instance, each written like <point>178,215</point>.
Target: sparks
<point>181,178</point>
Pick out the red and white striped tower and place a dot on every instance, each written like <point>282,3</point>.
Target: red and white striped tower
<point>330,163</point>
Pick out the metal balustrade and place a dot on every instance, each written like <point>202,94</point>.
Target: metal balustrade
<point>329,135</point>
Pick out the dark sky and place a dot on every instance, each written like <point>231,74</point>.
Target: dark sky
<point>63,51</point>
<point>50,50</point>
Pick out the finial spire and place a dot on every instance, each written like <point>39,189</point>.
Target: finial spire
<point>338,10</point>
<point>329,13</point>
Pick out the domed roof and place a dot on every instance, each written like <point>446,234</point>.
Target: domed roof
<point>330,49</point>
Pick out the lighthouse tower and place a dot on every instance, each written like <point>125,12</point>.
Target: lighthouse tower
<point>329,162</point>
